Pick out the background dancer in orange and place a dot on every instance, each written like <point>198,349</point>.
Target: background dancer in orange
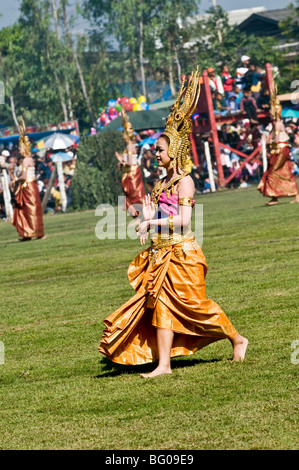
<point>278,180</point>
<point>170,314</point>
<point>27,216</point>
<point>132,181</point>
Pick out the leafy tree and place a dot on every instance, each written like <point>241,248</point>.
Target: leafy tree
<point>97,179</point>
<point>169,27</point>
<point>11,47</point>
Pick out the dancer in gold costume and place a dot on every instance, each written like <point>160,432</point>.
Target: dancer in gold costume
<point>27,216</point>
<point>170,314</point>
<point>132,181</point>
<point>278,180</point>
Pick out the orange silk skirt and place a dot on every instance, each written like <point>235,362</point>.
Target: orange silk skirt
<point>278,182</point>
<point>133,187</point>
<point>171,294</point>
<point>28,216</point>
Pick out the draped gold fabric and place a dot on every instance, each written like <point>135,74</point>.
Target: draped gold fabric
<point>27,216</point>
<point>278,180</point>
<point>171,294</point>
<point>133,187</point>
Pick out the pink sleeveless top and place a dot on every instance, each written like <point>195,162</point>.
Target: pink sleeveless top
<point>170,205</point>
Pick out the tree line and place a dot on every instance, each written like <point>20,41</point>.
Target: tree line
<point>51,75</point>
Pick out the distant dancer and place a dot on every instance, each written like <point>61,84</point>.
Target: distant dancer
<point>27,216</point>
<point>278,180</point>
<point>132,181</point>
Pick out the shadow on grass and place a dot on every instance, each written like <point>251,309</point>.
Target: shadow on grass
<point>111,369</point>
<point>11,242</point>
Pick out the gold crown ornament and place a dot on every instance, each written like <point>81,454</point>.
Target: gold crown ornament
<point>24,143</point>
<point>128,131</point>
<point>179,123</point>
<point>275,106</point>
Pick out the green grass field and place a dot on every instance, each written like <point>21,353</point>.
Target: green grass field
<point>57,392</point>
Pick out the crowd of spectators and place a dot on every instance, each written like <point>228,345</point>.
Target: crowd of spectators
<point>240,136</point>
<point>242,91</point>
<point>11,160</point>
<point>243,137</point>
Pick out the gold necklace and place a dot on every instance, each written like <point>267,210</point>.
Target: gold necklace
<point>159,189</point>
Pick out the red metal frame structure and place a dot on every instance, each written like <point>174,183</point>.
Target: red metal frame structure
<point>207,122</point>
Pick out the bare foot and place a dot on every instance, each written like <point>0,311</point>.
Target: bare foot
<point>160,370</point>
<point>272,202</point>
<point>240,346</point>
<point>295,200</point>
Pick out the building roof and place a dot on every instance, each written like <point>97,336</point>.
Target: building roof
<point>276,15</point>
<point>266,23</point>
<point>235,17</point>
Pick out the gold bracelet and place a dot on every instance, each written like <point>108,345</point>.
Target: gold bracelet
<point>170,223</point>
<point>186,201</point>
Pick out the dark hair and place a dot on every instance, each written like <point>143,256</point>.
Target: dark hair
<point>163,136</point>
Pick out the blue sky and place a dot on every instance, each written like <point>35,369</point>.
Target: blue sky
<point>9,9</point>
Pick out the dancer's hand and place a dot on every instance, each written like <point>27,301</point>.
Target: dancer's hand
<point>142,232</point>
<point>148,208</point>
<point>119,157</point>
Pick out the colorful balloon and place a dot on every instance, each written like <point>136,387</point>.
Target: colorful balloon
<point>137,107</point>
<point>133,101</point>
<point>142,99</point>
<point>118,107</point>
<point>104,119</point>
<point>144,106</point>
<point>111,104</point>
<point>129,107</point>
<point>113,113</point>
<point>124,100</point>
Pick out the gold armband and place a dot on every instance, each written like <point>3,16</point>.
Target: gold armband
<point>170,223</point>
<point>186,201</point>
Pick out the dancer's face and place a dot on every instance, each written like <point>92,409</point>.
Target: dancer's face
<point>161,153</point>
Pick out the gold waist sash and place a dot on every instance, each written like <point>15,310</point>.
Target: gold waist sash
<point>128,168</point>
<point>27,180</point>
<point>164,239</point>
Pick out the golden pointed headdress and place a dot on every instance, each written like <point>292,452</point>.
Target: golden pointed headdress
<point>275,109</point>
<point>24,143</point>
<point>179,123</point>
<point>128,131</point>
